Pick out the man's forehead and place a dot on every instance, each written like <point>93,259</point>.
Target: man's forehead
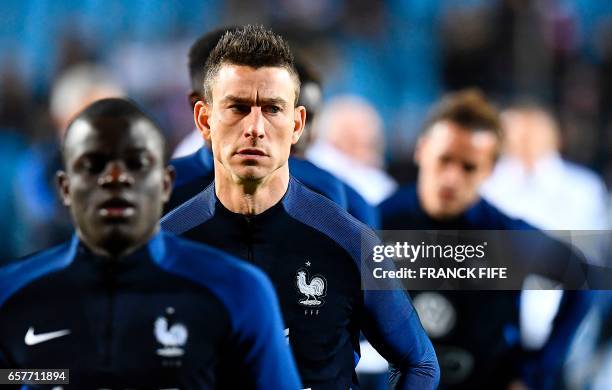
<point>456,135</point>
<point>111,134</point>
<point>244,81</point>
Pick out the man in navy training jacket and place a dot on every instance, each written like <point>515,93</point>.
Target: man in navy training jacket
<point>125,305</point>
<point>309,246</point>
<point>476,333</point>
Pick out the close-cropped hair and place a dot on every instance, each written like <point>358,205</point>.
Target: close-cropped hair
<point>119,108</point>
<point>467,108</point>
<point>253,46</point>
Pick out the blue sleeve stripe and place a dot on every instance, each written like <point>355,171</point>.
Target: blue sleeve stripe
<point>192,213</point>
<point>17,275</point>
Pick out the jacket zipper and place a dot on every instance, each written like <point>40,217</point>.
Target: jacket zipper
<point>250,233</point>
<point>108,331</point>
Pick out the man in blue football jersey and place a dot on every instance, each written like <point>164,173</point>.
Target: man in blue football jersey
<point>309,246</point>
<point>476,334</point>
<point>125,305</point>
<point>195,171</point>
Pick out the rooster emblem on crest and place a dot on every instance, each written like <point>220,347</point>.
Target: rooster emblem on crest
<point>313,289</point>
<point>171,337</point>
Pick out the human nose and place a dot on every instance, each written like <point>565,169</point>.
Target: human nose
<point>453,174</point>
<point>255,125</point>
<point>115,174</point>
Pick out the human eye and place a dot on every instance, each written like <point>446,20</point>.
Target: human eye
<point>92,164</point>
<point>273,109</point>
<point>445,160</point>
<point>240,108</point>
<point>138,162</point>
<point>469,168</point>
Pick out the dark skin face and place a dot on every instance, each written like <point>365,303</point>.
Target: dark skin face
<point>115,183</point>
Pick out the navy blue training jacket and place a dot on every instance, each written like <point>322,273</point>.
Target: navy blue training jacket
<point>310,248</point>
<point>482,347</point>
<point>173,314</point>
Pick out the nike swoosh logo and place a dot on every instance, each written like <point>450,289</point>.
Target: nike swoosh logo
<point>33,339</point>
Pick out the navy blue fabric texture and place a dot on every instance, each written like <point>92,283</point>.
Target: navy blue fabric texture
<point>194,172</point>
<point>487,316</point>
<point>307,244</point>
<point>360,209</point>
<point>172,314</point>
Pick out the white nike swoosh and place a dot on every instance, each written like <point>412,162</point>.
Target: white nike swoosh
<point>33,339</point>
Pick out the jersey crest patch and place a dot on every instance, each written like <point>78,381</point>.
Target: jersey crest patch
<point>171,337</point>
<point>313,288</point>
<point>436,312</point>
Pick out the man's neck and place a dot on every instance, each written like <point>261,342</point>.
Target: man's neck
<point>431,212</point>
<point>250,197</point>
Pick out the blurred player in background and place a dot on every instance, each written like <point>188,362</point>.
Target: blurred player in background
<point>123,305</point>
<point>46,221</point>
<point>194,164</point>
<point>308,245</point>
<point>476,334</point>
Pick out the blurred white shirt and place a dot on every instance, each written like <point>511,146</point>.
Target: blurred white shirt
<point>375,185</point>
<point>555,195</point>
<point>188,145</point>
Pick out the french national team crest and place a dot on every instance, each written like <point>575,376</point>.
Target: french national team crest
<point>313,288</point>
<point>171,337</point>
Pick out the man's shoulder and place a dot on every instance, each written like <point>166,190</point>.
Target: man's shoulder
<point>319,180</point>
<point>21,272</point>
<point>487,216</point>
<point>191,213</point>
<point>403,199</point>
<point>320,213</point>
<point>402,210</point>
<point>191,167</point>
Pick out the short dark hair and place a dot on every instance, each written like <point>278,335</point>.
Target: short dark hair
<point>199,53</point>
<point>468,108</point>
<point>115,108</point>
<point>311,89</point>
<point>254,46</point>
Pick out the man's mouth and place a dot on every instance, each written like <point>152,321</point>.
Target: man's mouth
<point>251,152</point>
<point>447,195</point>
<point>116,208</point>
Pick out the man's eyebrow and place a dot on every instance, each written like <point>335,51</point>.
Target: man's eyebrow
<point>137,149</point>
<point>260,101</point>
<point>93,153</point>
